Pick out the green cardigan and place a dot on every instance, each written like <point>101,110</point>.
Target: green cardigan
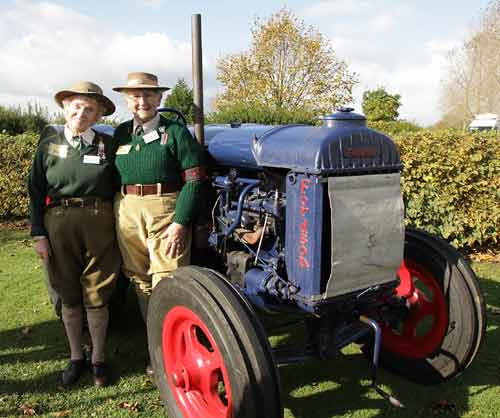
<point>60,171</point>
<point>162,160</point>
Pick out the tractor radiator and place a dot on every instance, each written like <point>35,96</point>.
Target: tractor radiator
<point>367,225</point>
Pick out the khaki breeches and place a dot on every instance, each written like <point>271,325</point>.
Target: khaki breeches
<point>85,259</point>
<point>140,223</point>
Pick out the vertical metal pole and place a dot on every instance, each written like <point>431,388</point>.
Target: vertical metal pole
<point>197,77</point>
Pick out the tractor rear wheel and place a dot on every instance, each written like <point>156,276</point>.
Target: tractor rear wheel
<point>445,322</point>
<point>209,352</point>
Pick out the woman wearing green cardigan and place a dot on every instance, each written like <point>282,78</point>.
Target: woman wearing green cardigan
<point>71,187</point>
<point>161,170</point>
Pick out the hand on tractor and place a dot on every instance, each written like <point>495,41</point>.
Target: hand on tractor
<point>176,239</point>
<point>42,248</point>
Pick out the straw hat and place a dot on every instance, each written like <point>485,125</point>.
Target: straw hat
<point>141,81</point>
<point>86,88</point>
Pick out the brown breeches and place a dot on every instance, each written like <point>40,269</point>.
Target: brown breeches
<point>85,258</point>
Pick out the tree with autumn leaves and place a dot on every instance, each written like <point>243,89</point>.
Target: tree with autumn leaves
<point>471,84</point>
<point>289,68</point>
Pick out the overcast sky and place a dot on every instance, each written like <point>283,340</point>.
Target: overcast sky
<point>47,45</point>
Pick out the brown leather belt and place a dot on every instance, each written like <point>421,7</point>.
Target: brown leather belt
<point>149,189</point>
<point>77,202</point>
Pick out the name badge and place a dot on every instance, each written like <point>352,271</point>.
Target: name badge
<point>57,150</point>
<point>91,159</point>
<point>123,149</point>
<point>152,136</point>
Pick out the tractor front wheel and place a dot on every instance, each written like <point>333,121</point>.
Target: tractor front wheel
<point>210,355</point>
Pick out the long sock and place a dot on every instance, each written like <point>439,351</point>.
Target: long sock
<point>143,300</point>
<point>98,325</point>
<point>72,318</point>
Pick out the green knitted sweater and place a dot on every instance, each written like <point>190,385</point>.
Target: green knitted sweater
<point>60,171</point>
<point>162,161</point>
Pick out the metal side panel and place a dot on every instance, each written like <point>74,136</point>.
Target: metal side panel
<point>367,231</point>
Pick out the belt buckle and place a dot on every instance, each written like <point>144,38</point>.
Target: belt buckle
<point>140,189</point>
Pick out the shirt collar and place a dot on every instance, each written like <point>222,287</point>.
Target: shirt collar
<point>87,136</point>
<point>148,126</point>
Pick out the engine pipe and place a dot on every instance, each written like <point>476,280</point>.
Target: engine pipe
<point>224,182</point>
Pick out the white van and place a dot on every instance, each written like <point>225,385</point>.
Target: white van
<point>485,122</point>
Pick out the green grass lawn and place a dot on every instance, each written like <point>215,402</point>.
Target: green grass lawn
<point>33,352</point>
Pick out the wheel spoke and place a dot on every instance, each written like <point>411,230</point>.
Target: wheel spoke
<point>425,307</point>
<point>210,386</point>
<point>180,346</point>
<point>410,326</point>
<point>194,349</point>
<point>214,361</point>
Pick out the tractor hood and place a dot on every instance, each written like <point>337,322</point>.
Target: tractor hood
<point>344,147</point>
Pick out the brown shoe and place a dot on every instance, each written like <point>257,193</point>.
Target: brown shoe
<point>100,372</point>
<point>72,372</point>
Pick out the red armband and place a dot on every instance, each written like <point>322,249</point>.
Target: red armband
<point>194,174</point>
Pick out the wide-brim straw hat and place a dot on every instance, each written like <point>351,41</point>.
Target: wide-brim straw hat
<point>86,88</point>
<point>144,81</point>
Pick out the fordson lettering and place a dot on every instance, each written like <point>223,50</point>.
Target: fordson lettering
<point>303,231</point>
<point>361,152</point>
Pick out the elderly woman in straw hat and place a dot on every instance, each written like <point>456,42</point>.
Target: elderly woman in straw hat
<point>161,170</point>
<point>71,187</point>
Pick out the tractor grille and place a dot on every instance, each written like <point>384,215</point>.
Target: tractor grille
<point>367,231</point>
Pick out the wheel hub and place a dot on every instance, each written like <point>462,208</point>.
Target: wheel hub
<point>195,367</point>
<point>422,329</point>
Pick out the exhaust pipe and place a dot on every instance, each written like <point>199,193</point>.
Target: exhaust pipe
<point>197,78</point>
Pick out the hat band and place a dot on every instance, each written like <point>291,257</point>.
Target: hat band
<point>139,82</point>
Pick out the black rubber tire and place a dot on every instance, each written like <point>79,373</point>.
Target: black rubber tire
<point>236,331</point>
<point>466,312</point>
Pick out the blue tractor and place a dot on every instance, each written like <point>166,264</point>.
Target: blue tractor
<point>307,223</point>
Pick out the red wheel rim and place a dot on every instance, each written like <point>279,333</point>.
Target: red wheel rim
<point>423,330</point>
<point>194,366</point>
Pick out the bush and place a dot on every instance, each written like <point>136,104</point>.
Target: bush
<point>451,183</point>
<point>245,113</point>
<point>17,120</point>
<point>394,127</point>
<point>451,186</point>
<point>15,160</point>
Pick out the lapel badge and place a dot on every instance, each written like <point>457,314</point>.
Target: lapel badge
<point>100,151</point>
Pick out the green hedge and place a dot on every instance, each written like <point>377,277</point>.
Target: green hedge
<point>394,127</point>
<point>16,120</point>
<point>451,186</point>
<point>451,183</point>
<point>15,163</point>
<point>245,113</point>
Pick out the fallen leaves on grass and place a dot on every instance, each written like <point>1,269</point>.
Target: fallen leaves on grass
<point>60,414</point>
<point>131,406</point>
<point>442,406</point>
<point>489,256</point>
<point>27,410</point>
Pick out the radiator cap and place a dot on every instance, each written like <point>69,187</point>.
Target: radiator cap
<point>344,117</point>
